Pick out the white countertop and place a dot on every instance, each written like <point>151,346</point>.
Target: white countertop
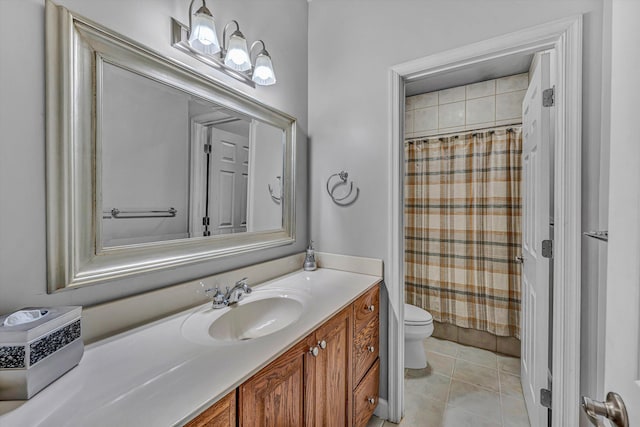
<point>153,376</point>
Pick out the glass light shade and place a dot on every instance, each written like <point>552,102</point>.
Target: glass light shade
<point>263,72</point>
<point>202,35</point>
<point>237,56</point>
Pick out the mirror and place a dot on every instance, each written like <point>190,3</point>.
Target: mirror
<point>175,166</point>
<point>151,165</point>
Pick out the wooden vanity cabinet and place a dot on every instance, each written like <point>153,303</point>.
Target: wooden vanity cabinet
<point>329,379</point>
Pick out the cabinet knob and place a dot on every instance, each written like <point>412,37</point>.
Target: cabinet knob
<point>371,400</point>
<point>314,351</point>
<point>371,308</point>
<point>371,349</point>
<point>322,344</point>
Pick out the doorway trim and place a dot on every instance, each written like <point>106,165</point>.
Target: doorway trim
<point>565,36</point>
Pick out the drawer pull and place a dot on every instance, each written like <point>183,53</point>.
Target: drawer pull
<point>371,349</point>
<point>371,400</point>
<point>322,344</point>
<point>314,351</point>
<point>371,308</point>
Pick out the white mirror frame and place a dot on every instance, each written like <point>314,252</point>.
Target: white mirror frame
<point>75,47</point>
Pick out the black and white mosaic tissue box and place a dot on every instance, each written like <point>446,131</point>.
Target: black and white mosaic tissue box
<point>34,354</point>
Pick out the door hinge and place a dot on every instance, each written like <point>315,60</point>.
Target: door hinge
<point>207,148</point>
<point>205,223</point>
<point>545,398</point>
<point>548,97</point>
<point>547,248</point>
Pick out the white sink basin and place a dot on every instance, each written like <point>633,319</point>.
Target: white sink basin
<point>259,314</point>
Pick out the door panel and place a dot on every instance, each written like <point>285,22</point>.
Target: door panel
<point>333,372</point>
<point>229,176</point>
<point>220,414</point>
<point>224,200</point>
<point>622,328</point>
<point>536,228</point>
<point>279,395</point>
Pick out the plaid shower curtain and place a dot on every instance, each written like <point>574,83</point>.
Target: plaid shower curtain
<point>462,228</point>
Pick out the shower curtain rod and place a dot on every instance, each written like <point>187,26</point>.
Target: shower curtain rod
<point>464,132</point>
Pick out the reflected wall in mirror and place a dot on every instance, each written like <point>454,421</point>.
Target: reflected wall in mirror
<point>151,165</point>
<point>175,166</point>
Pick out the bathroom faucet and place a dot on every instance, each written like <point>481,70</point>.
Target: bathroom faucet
<point>237,292</point>
<point>231,296</point>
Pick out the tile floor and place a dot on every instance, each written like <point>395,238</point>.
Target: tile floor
<point>462,386</point>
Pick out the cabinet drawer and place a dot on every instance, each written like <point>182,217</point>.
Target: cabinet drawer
<point>365,348</point>
<point>365,397</point>
<point>366,308</point>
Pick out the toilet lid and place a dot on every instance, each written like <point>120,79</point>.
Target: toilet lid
<point>416,316</point>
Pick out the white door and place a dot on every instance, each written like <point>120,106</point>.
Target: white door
<point>228,182</point>
<point>535,228</point>
<point>198,178</point>
<point>622,329</point>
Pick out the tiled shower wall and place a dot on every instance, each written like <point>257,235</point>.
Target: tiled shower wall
<point>489,103</point>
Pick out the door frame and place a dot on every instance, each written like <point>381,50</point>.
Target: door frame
<point>565,36</point>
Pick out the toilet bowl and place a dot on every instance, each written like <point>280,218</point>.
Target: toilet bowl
<point>418,325</point>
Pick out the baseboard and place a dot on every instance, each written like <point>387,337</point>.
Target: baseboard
<point>382,410</point>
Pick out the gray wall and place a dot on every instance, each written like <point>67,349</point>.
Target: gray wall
<point>145,157</point>
<point>281,23</point>
<point>264,166</point>
<point>353,44</point>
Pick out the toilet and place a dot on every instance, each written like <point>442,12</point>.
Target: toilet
<point>418,325</point>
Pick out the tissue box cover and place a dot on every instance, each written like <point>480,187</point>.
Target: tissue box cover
<point>34,354</point>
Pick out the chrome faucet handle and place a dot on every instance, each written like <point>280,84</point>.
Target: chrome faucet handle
<point>244,285</point>
<point>235,294</point>
<point>218,299</point>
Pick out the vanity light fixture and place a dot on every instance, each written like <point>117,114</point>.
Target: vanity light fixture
<point>200,40</point>
<point>263,70</point>
<point>202,33</point>
<point>236,55</point>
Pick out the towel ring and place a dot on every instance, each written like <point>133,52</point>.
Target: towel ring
<point>277,199</point>
<point>342,180</point>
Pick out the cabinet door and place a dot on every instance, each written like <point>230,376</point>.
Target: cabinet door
<point>280,394</point>
<point>333,371</point>
<point>220,414</point>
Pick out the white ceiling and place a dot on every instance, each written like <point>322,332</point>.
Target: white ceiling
<point>512,64</point>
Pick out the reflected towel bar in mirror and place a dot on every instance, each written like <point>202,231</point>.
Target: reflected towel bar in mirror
<point>139,213</point>
<point>599,235</point>
<point>276,197</point>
